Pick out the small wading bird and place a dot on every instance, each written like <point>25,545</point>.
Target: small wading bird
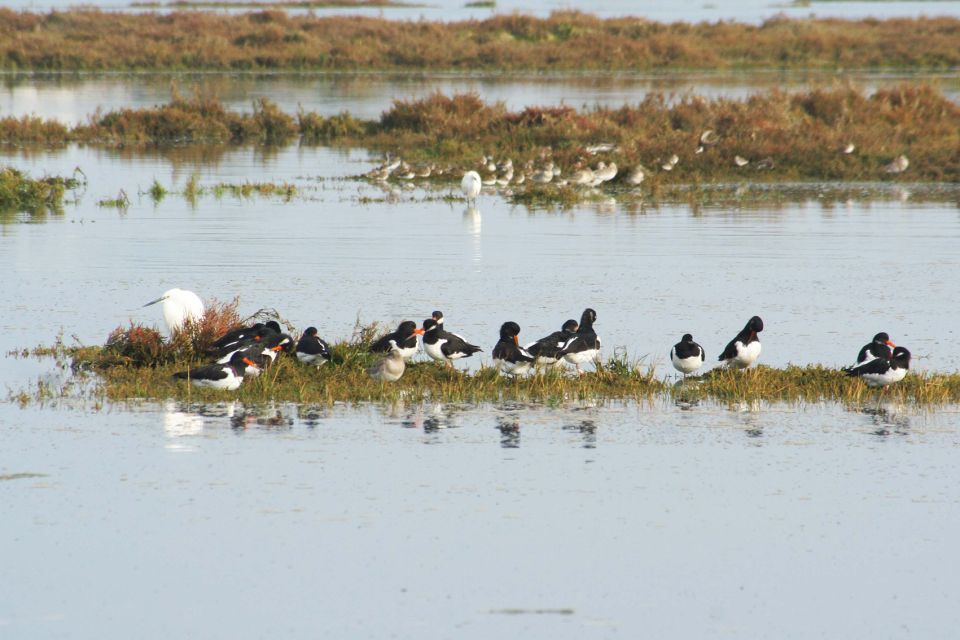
<point>879,348</point>
<point>899,165</point>
<point>311,349</point>
<point>546,351</point>
<point>404,338</point>
<point>585,345</point>
<point>744,349</point>
<point>508,355</point>
<point>179,307</point>
<point>687,356</point>
<point>391,368</point>
<point>470,185</point>
<point>220,376</point>
<point>444,346</point>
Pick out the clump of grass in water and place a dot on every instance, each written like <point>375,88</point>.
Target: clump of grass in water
<point>122,201</point>
<point>20,193</point>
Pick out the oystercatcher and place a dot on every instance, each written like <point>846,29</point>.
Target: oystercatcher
<point>879,348</point>
<point>220,376</point>
<point>585,345</point>
<point>881,372</point>
<point>744,350</point>
<point>508,355</point>
<point>311,349</point>
<point>687,356</point>
<point>405,338</point>
<point>546,350</point>
<point>444,346</point>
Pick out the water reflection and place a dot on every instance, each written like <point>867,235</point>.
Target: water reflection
<point>886,420</point>
<point>587,430</point>
<point>509,427</point>
<point>474,222</point>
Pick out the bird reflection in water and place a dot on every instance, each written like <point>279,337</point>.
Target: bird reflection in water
<point>266,418</point>
<point>509,427</point>
<point>887,420</point>
<point>474,222</point>
<point>587,430</point>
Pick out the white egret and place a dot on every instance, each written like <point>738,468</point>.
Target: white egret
<point>179,307</point>
<point>471,185</point>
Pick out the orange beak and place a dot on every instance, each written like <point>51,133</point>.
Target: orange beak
<point>890,343</point>
<point>276,348</point>
<point>516,340</point>
<point>418,332</point>
<point>250,363</point>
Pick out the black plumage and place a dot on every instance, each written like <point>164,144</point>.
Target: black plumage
<point>746,336</point>
<point>880,347</point>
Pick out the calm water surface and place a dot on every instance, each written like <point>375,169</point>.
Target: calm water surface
<point>604,521</point>
<point>73,98</point>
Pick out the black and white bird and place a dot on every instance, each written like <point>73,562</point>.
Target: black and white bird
<point>508,355</point>
<point>743,351</point>
<point>268,344</point>
<point>881,372</point>
<point>438,316</point>
<point>231,340</point>
<point>220,376</point>
<point>391,368</point>
<point>444,346</point>
<point>687,356</point>
<point>546,350</point>
<point>879,348</point>
<point>405,338</point>
<point>585,345</point>
<point>312,349</point>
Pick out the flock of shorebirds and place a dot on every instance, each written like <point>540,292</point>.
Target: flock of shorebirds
<point>246,351</point>
<point>492,173</point>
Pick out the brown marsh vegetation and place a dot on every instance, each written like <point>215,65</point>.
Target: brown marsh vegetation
<point>89,39</point>
<point>267,4</point>
<point>802,136</point>
<point>19,193</point>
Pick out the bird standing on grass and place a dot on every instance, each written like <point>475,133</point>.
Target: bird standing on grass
<point>585,345</point>
<point>508,355</point>
<point>744,349</point>
<point>687,356</point>
<point>311,349</point>
<point>547,350</point>
<point>881,372</point>
<point>391,368</point>
<point>220,376</point>
<point>880,347</point>
<point>444,346</point>
<point>405,339</point>
<point>179,308</point>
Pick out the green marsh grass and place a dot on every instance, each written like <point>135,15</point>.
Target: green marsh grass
<point>272,40</point>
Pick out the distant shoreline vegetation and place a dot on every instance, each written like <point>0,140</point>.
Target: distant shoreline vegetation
<point>836,134</point>
<point>272,4</point>
<point>273,40</point>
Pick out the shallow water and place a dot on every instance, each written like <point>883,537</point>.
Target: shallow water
<point>685,10</point>
<point>609,521</point>
<point>73,98</point>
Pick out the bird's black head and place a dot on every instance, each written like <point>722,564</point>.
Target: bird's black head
<point>438,316</point>
<point>686,338</point>
<point>509,330</point>
<point>430,324</point>
<point>406,328</point>
<point>311,331</point>
<point>570,326</point>
<point>588,317</point>
<point>755,324</point>
<point>900,354</point>
<point>273,325</point>
<point>881,337</point>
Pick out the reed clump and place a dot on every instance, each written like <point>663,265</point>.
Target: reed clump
<point>19,193</point>
<point>139,346</point>
<point>269,40</point>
